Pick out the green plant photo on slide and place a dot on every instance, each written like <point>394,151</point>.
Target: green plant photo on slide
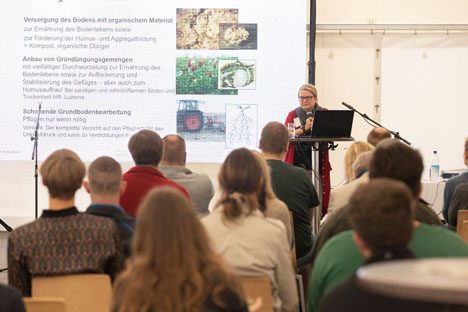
<point>199,75</point>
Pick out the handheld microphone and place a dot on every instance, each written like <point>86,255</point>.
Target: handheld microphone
<point>348,106</point>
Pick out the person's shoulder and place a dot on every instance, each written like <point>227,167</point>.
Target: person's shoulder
<point>343,238</point>
<point>9,291</point>
<point>457,179</point>
<point>340,249</point>
<point>285,167</point>
<point>292,113</point>
<point>25,229</point>
<point>276,226</point>
<point>176,185</point>
<point>213,218</point>
<point>199,177</point>
<point>432,240</point>
<point>96,221</point>
<point>276,206</point>
<point>11,299</point>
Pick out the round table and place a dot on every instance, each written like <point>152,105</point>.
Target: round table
<point>443,280</point>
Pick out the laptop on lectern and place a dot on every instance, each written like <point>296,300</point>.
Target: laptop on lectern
<point>332,124</point>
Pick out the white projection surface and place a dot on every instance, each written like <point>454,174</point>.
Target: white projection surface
<point>212,71</point>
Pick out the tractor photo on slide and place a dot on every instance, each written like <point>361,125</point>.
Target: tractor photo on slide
<point>191,119</point>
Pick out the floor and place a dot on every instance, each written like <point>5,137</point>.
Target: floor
<point>3,256</point>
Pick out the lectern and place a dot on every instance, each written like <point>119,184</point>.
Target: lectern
<point>316,177</point>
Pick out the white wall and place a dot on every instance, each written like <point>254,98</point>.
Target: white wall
<point>348,63</point>
<point>392,12</point>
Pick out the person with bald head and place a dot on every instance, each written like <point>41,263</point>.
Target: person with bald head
<point>378,134</point>
<point>173,162</point>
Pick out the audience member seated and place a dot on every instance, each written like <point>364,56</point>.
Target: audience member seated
<point>105,186</point>
<point>292,185</point>
<point>339,197</point>
<point>10,300</point>
<point>459,202</point>
<point>339,258</point>
<point>63,241</point>
<point>378,134</point>
<point>251,243</point>
<point>173,266</point>
<point>381,214</point>
<point>273,207</point>
<point>146,147</point>
<point>338,222</point>
<point>198,185</point>
<point>351,154</point>
<point>452,183</point>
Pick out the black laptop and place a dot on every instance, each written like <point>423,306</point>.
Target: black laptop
<point>332,124</point>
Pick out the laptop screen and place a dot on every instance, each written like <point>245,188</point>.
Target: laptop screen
<point>332,124</point>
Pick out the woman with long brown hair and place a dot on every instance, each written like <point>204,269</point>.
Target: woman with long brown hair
<point>173,266</point>
<point>251,243</point>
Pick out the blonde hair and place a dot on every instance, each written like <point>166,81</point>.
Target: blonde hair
<point>62,173</point>
<point>174,267</point>
<point>310,88</point>
<point>351,154</point>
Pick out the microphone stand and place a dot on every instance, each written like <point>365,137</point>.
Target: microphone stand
<point>6,226</point>
<point>35,138</point>
<point>367,118</point>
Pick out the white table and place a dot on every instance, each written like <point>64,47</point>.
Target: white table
<point>433,193</point>
<point>442,280</point>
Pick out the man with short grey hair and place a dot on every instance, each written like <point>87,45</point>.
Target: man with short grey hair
<point>172,165</point>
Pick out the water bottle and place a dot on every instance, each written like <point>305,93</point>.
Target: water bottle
<point>434,172</point>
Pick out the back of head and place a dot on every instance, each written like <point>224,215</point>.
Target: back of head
<point>173,267</point>
<point>62,173</point>
<point>240,178</point>
<point>105,176</point>
<point>167,230</point>
<point>146,147</point>
<point>352,153</point>
<point>381,213</point>
<point>174,150</point>
<point>377,135</point>
<point>274,138</point>
<point>362,162</point>
<point>395,160</point>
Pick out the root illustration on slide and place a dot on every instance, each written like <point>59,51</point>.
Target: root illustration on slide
<point>242,125</point>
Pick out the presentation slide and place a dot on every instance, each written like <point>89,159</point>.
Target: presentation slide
<point>214,72</point>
